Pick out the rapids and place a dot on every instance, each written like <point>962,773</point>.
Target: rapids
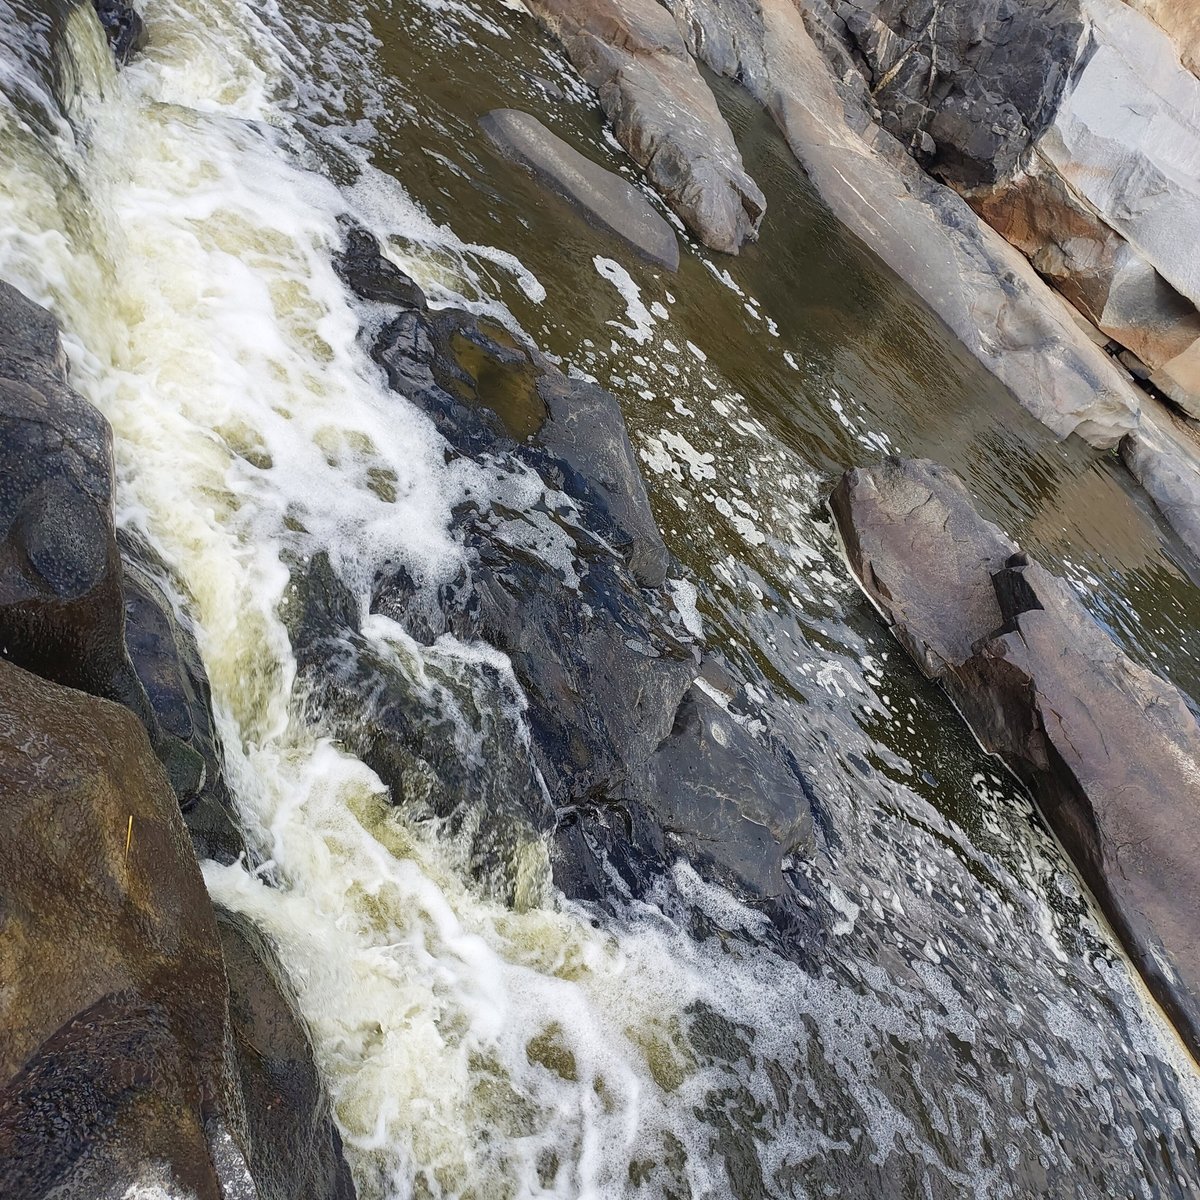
<point>945,1015</point>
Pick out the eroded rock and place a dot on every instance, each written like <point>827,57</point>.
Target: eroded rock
<point>573,587</point>
<point>662,112</point>
<point>607,199</point>
<point>1110,750</point>
<point>984,290</point>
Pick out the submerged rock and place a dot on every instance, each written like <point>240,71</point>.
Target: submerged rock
<point>607,199</point>
<point>1110,750</point>
<point>662,112</point>
<point>573,587</point>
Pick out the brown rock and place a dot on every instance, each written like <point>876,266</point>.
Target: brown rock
<point>112,1010</point>
<point>1099,272</point>
<point>662,112</point>
<point>1110,750</point>
<point>1180,20</point>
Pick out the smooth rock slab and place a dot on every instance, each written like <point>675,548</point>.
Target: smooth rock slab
<point>1110,750</point>
<point>607,199</point>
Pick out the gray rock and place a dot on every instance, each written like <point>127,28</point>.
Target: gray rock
<point>986,292</point>
<point>730,800</point>
<point>1163,455</point>
<point>662,112</point>
<point>1126,137</point>
<point>607,199</point>
<point>1111,751</point>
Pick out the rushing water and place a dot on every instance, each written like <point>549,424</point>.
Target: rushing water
<point>951,1019</point>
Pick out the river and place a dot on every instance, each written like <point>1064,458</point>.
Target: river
<point>945,1015</point>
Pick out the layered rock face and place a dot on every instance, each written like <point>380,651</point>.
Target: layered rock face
<point>629,758</point>
<point>1110,750</point>
<point>1073,128</point>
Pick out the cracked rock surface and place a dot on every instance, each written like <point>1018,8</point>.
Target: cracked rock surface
<point>1110,750</point>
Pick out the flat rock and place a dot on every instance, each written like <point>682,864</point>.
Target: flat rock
<point>607,199</point>
<point>662,112</point>
<point>1110,750</point>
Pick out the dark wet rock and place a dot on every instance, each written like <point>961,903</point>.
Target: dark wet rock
<point>574,590</point>
<point>293,1146</point>
<point>123,26</point>
<point>606,198</point>
<point>112,1059</point>
<point>968,86</point>
<point>167,661</point>
<point>62,612</point>
<point>369,274</point>
<point>662,112</point>
<point>1110,750</point>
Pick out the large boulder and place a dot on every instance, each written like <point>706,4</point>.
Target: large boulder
<point>575,590</point>
<point>113,1055</point>
<point>662,112</point>
<point>1110,750</point>
<point>606,199</point>
<point>62,610</point>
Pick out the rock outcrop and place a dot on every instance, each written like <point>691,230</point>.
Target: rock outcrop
<point>117,1063</point>
<point>662,112</point>
<point>985,292</point>
<point>1110,750</point>
<point>965,87</point>
<point>574,588</point>
<point>62,611</point>
<point>606,199</point>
